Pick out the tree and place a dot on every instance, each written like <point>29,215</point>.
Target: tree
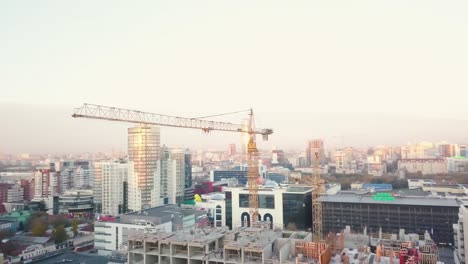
<point>38,228</point>
<point>75,227</point>
<point>59,234</point>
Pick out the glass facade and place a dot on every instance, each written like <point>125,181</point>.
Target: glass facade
<point>228,201</point>
<point>297,210</point>
<point>437,220</point>
<point>241,176</point>
<point>143,151</point>
<point>264,201</point>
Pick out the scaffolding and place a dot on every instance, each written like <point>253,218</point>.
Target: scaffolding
<point>318,251</point>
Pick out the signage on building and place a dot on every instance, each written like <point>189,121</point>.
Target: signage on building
<point>383,197</point>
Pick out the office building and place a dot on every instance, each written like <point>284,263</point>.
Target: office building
<point>315,146</point>
<point>144,153</point>
<point>112,235</point>
<point>391,213</point>
<point>282,207</point>
<point>224,175</point>
<point>76,202</point>
<point>189,189</point>
<point>28,189</point>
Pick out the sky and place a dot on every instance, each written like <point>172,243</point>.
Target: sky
<point>358,72</point>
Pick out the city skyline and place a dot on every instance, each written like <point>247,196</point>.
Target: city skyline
<point>337,130</point>
<point>375,72</point>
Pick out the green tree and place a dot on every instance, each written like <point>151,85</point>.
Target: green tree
<point>75,227</point>
<point>38,228</point>
<point>59,234</point>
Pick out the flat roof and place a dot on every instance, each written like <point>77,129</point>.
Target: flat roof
<point>161,211</point>
<point>400,200</point>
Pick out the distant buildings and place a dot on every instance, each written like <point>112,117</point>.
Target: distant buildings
<point>429,166</point>
<point>143,152</point>
<point>313,146</point>
<point>223,175</point>
<point>11,193</point>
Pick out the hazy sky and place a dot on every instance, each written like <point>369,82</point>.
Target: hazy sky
<point>374,71</point>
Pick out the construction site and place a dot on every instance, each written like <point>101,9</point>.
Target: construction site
<point>261,244</point>
<point>258,244</point>
<point>259,241</point>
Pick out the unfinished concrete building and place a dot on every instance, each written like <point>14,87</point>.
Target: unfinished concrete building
<point>221,245</point>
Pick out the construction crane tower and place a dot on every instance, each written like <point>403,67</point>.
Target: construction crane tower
<point>317,192</point>
<point>101,112</point>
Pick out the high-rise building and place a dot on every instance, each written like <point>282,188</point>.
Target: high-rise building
<point>232,150</point>
<point>189,190</point>
<point>43,183</point>
<point>114,175</point>
<point>313,146</point>
<point>28,189</point>
<point>143,152</point>
<point>110,183</point>
<point>171,176</point>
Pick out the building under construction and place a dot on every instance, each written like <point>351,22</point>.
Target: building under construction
<point>257,244</point>
<point>399,248</point>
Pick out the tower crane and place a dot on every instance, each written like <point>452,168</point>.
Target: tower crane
<point>318,190</point>
<point>93,111</point>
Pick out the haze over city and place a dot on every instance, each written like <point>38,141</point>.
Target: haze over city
<point>362,73</point>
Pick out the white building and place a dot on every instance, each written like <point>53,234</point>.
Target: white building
<point>215,207</point>
<point>109,179</point>
<point>423,166</point>
<point>83,178</point>
<point>114,174</point>
<point>460,236</point>
<point>15,194</point>
<point>419,183</point>
<point>112,236</point>
<point>457,164</point>
<point>169,179</point>
<point>297,199</point>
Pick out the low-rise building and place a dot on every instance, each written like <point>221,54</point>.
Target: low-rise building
<point>282,206</point>
<point>76,202</point>
<point>419,183</point>
<point>113,236</point>
<point>429,166</point>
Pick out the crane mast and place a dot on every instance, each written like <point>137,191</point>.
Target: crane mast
<point>93,111</point>
<point>317,192</point>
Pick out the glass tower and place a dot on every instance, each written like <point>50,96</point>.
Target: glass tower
<point>143,151</point>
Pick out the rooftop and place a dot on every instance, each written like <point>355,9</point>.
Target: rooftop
<point>402,200</point>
